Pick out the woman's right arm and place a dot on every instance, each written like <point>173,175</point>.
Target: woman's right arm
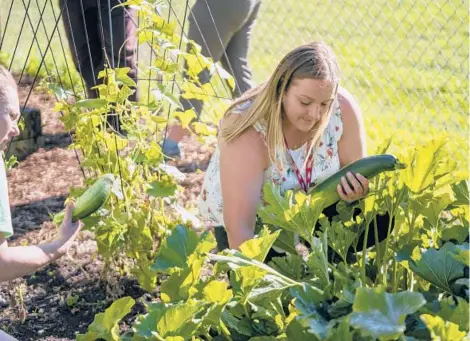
<point>242,165</point>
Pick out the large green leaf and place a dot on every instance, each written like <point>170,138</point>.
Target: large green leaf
<point>294,212</point>
<point>431,209</point>
<point>105,325</point>
<point>257,248</point>
<point>317,261</point>
<point>275,204</point>
<point>286,241</point>
<point>423,165</point>
<point>442,330</point>
<point>146,326</point>
<point>415,327</point>
<point>346,282</point>
<point>449,311</point>
<point>296,330</point>
<point>217,292</point>
<point>339,308</point>
<point>341,238</point>
<point>461,192</point>
<point>463,256</point>
<point>342,332</point>
<point>240,326</point>
<point>307,298</point>
<point>316,325</point>
<point>456,313</point>
<point>177,286</point>
<point>245,279</point>
<point>381,314</point>
<point>439,267</point>
<point>290,266</point>
<point>175,249</point>
<point>268,290</point>
<point>146,277</point>
<point>459,233</point>
<point>180,320</point>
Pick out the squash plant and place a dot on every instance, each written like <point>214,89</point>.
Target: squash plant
<point>139,213</point>
<point>412,286</point>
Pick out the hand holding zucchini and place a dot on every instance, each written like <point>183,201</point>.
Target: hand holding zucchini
<point>91,200</point>
<point>368,167</point>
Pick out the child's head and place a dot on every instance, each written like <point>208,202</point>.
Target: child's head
<point>300,91</point>
<point>9,108</point>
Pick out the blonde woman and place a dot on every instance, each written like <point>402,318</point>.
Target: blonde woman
<point>294,130</point>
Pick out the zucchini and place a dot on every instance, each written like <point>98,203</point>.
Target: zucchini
<point>368,167</point>
<point>91,200</point>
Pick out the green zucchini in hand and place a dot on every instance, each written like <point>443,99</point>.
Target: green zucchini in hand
<point>91,200</point>
<point>368,167</point>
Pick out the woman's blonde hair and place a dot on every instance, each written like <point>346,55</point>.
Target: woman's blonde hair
<point>315,60</point>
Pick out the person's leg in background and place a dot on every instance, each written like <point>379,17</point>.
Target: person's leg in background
<point>118,28</point>
<point>235,60</point>
<point>80,19</point>
<point>120,37</point>
<point>213,24</point>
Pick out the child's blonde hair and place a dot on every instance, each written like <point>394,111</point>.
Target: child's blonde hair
<point>9,101</point>
<point>6,79</point>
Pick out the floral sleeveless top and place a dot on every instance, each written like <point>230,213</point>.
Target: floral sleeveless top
<point>325,163</point>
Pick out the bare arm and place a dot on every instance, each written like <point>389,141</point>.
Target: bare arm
<point>351,147</point>
<point>19,261</point>
<point>242,165</point>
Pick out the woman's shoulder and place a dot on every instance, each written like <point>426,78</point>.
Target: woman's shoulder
<point>251,137</point>
<point>249,143</point>
<point>348,105</point>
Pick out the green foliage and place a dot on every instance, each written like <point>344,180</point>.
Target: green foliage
<point>412,286</point>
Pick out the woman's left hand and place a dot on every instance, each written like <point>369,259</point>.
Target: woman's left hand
<point>353,188</point>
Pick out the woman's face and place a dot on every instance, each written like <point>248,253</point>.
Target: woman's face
<point>9,114</point>
<point>306,101</point>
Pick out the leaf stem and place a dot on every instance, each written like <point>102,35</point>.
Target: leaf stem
<point>364,253</point>
<point>225,331</point>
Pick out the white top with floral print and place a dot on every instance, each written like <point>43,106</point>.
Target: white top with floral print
<point>326,162</point>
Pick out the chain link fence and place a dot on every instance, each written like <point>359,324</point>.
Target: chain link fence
<point>405,62</point>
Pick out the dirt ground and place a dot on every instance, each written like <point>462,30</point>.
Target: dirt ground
<point>62,298</point>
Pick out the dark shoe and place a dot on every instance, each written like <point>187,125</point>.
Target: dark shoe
<point>170,149</point>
